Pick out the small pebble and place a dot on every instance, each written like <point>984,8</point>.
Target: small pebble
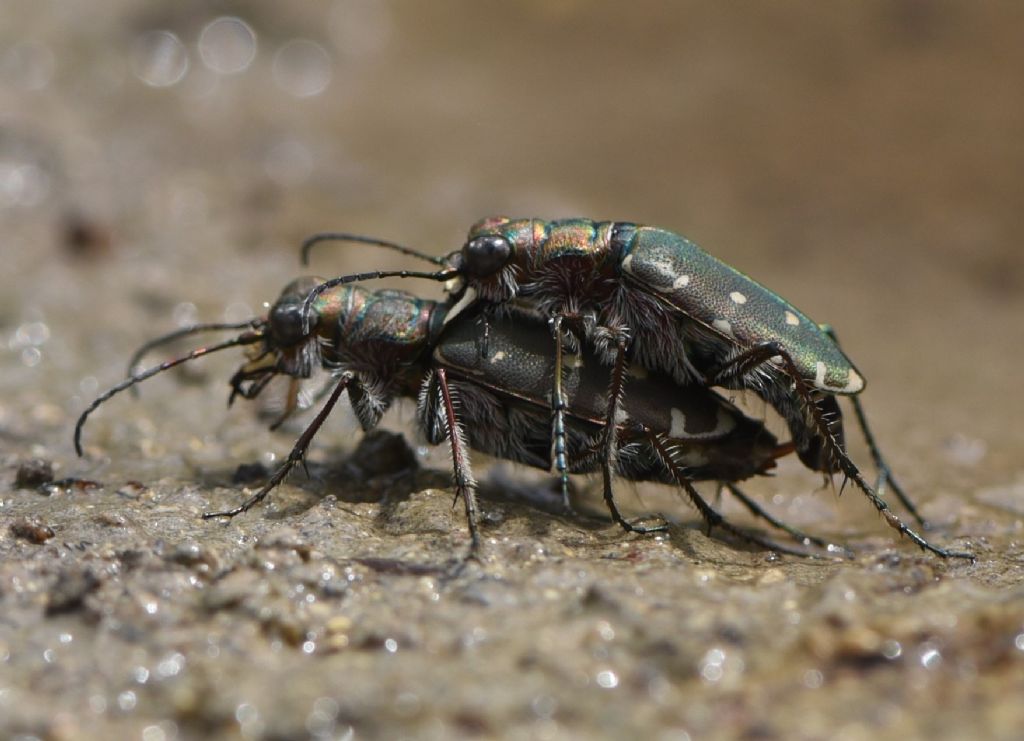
<point>34,473</point>
<point>32,531</point>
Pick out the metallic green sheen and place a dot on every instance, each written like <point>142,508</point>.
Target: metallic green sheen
<point>713,293</point>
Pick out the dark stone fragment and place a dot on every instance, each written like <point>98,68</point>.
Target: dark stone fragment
<point>34,473</point>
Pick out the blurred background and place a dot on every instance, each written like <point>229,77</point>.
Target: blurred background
<point>161,162</point>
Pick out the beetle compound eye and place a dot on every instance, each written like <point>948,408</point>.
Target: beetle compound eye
<point>486,255</point>
<point>286,324</point>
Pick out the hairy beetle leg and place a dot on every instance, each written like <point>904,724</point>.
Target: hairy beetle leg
<point>885,475</point>
<point>462,474</point>
<point>761,354</point>
<point>712,518</point>
<point>558,408</point>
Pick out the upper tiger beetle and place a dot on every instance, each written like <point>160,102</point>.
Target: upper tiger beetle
<point>386,344</point>
<point>652,298</point>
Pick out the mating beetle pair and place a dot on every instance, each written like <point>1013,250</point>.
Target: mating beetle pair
<point>389,344</point>
<point>654,299</point>
<point>641,297</point>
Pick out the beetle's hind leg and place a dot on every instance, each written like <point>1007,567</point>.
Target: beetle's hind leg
<point>761,354</point>
<point>712,518</point>
<point>798,535</point>
<point>885,474</point>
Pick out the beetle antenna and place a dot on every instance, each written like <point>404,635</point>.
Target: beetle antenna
<point>440,276</point>
<point>177,334</point>
<point>308,243</point>
<point>247,338</point>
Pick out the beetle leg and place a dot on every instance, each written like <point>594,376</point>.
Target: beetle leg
<point>558,406</point>
<point>798,535</point>
<point>712,518</point>
<point>609,439</point>
<point>761,353</point>
<point>463,475</point>
<point>885,475</point>
<point>297,454</point>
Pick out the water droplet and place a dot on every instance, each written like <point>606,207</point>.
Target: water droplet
<point>711,665</point>
<point>126,700</point>
<point>391,645</point>
<point>22,184</point>
<point>892,650</point>
<point>159,59</point>
<point>227,45</point>
<point>930,658</point>
<point>813,679</point>
<point>153,733</point>
<point>32,333</point>
<point>308,647</point>
<point>171,666</point>
<point>31,356</point>
<point>302,68</point>
<point>185,314</point>
<point>98,704</point>
<point>607,679</point>
<point>1019,641</point>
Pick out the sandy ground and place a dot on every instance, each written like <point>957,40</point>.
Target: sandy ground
<point>158,167</point>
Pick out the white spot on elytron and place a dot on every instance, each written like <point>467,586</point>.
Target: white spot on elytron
<point>854,383</point>
<point>738,298</point>
<point>498,356</point>
<point>819,375</point>
<point>627,264</point>
<point>681,282</point>
<point>723,326</point>
<point>665,270</point>
<point>678,428</point>
<point>792,319</point>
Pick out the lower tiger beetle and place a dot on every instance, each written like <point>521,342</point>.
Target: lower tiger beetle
<point>651,298</point>
<point>386,344</point>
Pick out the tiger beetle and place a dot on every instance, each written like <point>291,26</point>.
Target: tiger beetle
<point>656,298</point>
<point>386,344</point>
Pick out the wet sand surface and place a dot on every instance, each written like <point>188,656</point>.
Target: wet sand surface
<point>159,167</point>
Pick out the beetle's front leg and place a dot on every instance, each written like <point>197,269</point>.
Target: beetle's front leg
<point>297,454</point>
